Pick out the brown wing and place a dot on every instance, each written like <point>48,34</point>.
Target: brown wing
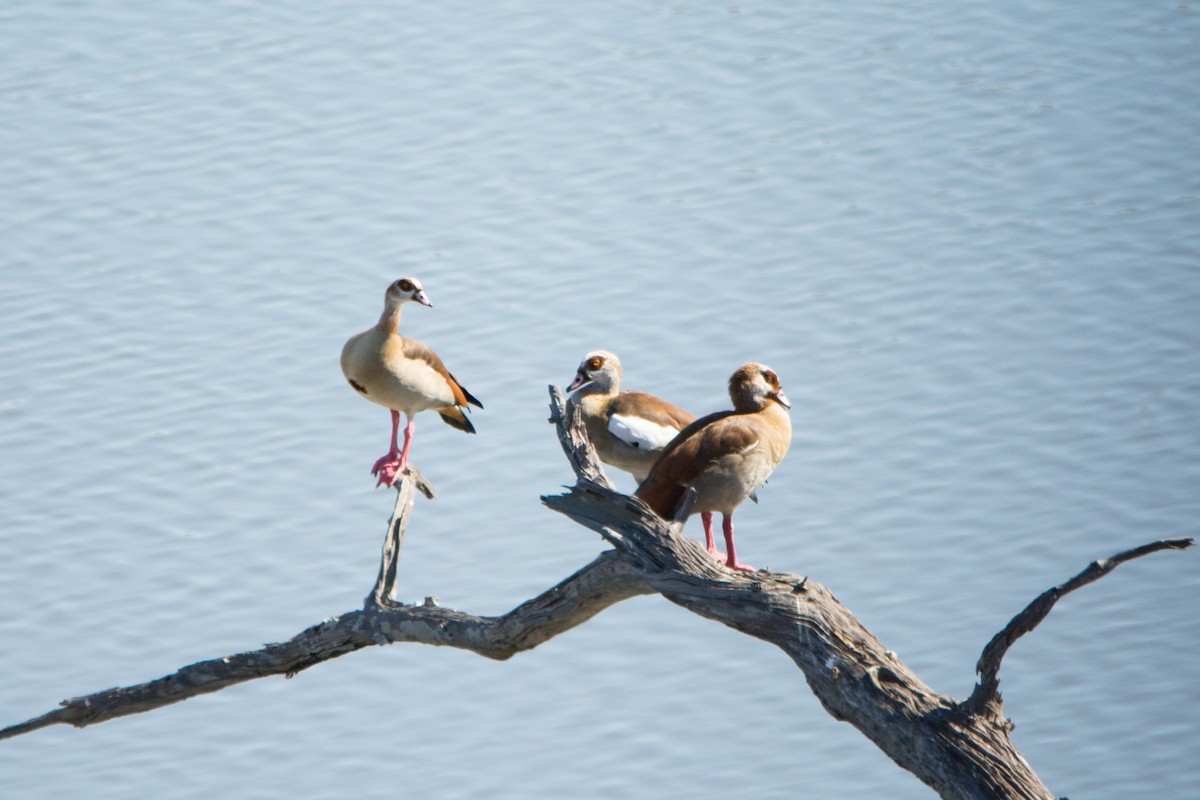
<point>651,408</point>
<point>705,440</point>
<point>692,427</point>
<point>419,352</point>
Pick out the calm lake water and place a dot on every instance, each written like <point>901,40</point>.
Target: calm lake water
<point>966,236</point>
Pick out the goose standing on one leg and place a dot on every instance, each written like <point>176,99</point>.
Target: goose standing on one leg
<point>725,455</point>
<point>403,376</point>
<point>628,429</point>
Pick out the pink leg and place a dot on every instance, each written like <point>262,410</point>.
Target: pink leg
<point>731,561</point>
<point>392,463</point>
<point>710,543</point>
<point>410,427</point>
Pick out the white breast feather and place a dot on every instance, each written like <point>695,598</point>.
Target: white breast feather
<point>640,433</point>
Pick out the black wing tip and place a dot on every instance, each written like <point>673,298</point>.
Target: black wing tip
<point>460,422</point>
<point>472,399</point>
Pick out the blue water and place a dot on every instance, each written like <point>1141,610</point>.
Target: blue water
<point>967,238</point>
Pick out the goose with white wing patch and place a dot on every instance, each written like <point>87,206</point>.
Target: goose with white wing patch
<point>628,429</point>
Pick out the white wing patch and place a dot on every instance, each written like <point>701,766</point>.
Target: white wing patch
<point>640,433</point>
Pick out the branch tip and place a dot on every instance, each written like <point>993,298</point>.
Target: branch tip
<point>987,691</point>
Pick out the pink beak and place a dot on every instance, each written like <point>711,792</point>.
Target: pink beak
<point>423,299</point>
<point>580,380</point>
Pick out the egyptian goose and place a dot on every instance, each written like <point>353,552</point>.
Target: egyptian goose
<point>628,429</point>
<point>403,375</point>
<point>725,455</point>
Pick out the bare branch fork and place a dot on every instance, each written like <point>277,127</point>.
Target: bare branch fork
<point>962,750</point>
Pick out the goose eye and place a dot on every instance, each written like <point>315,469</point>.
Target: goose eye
<point>595,364</point>
<point>405,285</point>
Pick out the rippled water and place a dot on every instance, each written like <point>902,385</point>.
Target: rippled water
<point>968,238</point>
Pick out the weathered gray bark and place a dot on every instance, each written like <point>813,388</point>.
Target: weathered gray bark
<point>961,749</point>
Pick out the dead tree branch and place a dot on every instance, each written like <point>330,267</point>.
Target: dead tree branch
<point>986,695</point>
<point>962,750</point>
<point>579,451</point>
<point>383,594</point>
<point>957,751</point>
<point>607,580</point>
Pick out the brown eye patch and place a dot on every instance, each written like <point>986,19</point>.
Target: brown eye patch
<point>595,364</point>
<point>405,285</point>
<point>772,379</point>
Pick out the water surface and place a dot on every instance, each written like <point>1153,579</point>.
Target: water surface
<point>967,238</point>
